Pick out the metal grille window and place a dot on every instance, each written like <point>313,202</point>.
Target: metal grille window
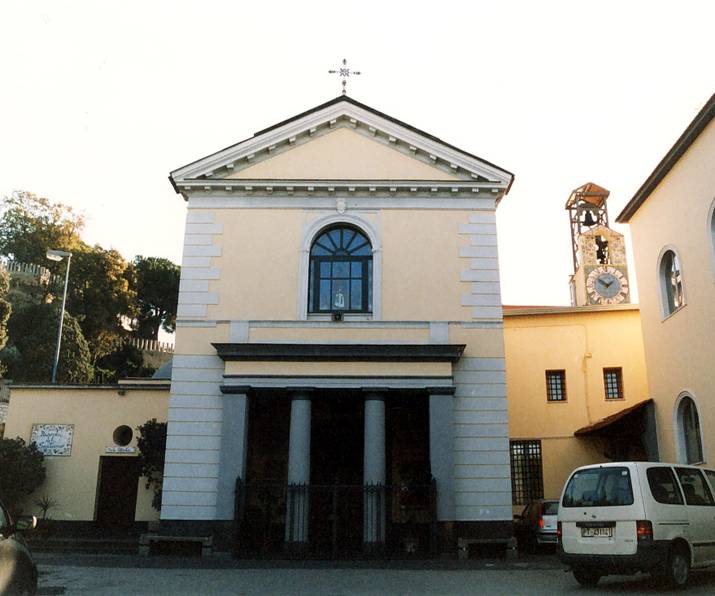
<point>556,385</point>
<point>527,479</point>
<point>613,383</point>
<point>340,272</point>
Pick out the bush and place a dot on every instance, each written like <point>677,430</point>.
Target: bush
<point>152,448</point>
<point>21,472</point>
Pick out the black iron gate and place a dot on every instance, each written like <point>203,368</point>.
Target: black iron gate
<point>338,520</point>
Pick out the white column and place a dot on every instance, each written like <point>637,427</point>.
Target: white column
<point>374,471</point>
<point>298,502</point>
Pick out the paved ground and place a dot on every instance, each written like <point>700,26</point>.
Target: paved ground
<point>105,575</point>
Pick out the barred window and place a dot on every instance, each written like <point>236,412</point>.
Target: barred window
<point>613,383</point>
<point>527,478</point>
<point>556,385</point>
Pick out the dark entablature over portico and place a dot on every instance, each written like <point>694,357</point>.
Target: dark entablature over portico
<point>340,352</point>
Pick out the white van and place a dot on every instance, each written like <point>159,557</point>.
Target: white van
<point>619,518</point>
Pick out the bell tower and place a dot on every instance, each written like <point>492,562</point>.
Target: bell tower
<point>599,254</point>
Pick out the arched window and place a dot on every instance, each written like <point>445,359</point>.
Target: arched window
<point>688,423</point>
<point>671,282</point>
<point>340,277</point>
<point>712,234</point>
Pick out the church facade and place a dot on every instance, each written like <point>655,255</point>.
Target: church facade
<point>339,365</point>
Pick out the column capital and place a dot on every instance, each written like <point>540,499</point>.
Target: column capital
<point>300,392</point>
<point>375,392</point>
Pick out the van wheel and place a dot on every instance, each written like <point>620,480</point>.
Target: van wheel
<point>586,577</point>
<point>678,570</point>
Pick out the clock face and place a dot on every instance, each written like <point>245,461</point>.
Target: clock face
<point>607,285</point>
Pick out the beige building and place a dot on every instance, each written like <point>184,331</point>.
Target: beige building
<point>578,393</point>
<point>88,435</point>
<point>672,221</point>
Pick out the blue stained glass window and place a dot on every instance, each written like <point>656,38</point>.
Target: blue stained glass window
<point>340,277</point>
<point>341,269</point>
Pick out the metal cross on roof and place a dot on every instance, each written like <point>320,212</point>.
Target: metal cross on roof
<point>344,72</point>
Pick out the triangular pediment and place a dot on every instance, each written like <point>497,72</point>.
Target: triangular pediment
<point>342,153</point>
<point>343,140</point>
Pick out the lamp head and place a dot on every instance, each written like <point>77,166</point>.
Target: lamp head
<point>57,255</point>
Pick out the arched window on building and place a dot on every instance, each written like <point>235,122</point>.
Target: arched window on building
<point>340,277</point>
<point>671,282</point>
<point>688,431</point>
<point>712,234</point>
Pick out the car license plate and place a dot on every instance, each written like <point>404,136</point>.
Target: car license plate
<point>597,532</point>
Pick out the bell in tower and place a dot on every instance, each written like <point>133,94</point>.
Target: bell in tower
<point>600,274</point>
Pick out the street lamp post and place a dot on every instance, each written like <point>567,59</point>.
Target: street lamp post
<point>58,255</point>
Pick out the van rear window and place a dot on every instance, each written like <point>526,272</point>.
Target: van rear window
<point>599,487</point>
<point>550,508</point>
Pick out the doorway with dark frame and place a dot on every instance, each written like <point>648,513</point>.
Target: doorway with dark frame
<point>117,491</point>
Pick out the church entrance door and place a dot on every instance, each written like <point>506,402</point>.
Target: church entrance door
<point>336,475</point>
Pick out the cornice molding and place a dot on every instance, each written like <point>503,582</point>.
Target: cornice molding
<point>339,352</point>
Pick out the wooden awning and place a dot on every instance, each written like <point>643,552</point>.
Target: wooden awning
<point>611,423</point>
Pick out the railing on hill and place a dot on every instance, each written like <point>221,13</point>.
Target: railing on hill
<point>42,274</point>
<point>152,345</point>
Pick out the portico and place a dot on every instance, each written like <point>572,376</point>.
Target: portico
<point>341,441</point>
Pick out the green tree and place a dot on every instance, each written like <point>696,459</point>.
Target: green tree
<point>22,471</point>
<point>157,287</point>
<point>33,337</point>
<point>151,442</point>
<point>5,307</point>
<point>29,225</point>
<point>127,361</point>
<point>100,297</point>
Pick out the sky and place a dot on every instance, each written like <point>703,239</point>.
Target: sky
<point>99,101</point>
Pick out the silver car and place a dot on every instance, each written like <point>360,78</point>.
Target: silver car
<point>536,526</point>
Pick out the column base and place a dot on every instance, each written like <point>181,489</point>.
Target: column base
<point>373,549</point>
<point>296,549</point>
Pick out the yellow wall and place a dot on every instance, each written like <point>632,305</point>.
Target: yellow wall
<point>346,155</point>
<point>406,369</point>
<point>261,257</point>
<point>679,349</point>
<point>95,413</point>
<point>582,343</point>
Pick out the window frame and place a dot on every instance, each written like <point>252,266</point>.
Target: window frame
<point>681,434</point>
<point>311,232</point>
<point>618,371</point>
<point>549,392</point>
<point>315,275</point>
<point>527,475</point>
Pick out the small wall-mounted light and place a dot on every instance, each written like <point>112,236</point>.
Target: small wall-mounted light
<point>337,315</point>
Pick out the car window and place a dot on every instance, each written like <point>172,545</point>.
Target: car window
<point>599,487</point>
<point>4,521</point>
<point>551,507</point>
<point>664,486</point>
<point>710,475</point>
<point>694,487</point>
